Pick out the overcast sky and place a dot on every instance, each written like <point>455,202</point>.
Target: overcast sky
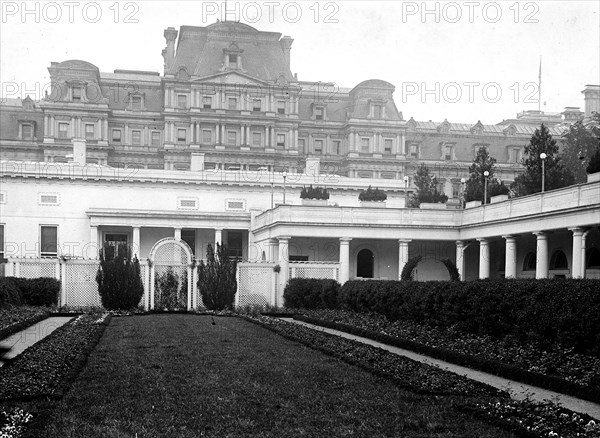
<point>464,61</point>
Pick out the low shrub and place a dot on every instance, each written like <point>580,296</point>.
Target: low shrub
<point>217,282</point>
<point>10,294</point>
<point>311,293</point>
<point>372,194</point>
<point>547,312</point>
<point>43,291</point>
<point>119,282</point>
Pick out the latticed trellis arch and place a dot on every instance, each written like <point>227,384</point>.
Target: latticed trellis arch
<point>171,275</point>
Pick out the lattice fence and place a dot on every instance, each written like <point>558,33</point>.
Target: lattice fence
<point>35,268</point>
<point>80,287</point>
<point>257,284</point>
<point>171,275</point>
<point>329,270</point>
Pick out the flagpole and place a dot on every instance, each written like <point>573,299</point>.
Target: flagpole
<point>540,87</point>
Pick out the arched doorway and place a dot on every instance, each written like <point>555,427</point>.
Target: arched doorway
<point>364,263</point>
<point>171,279</point>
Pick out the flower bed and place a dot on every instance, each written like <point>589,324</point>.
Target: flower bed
<point>16,318</point>
<point>409,374</point>
<point>579,369</point>
<point>47,367</point>
<point>13,422</point>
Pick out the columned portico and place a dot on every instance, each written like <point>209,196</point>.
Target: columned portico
<point>510,261</point>
<point>484,258</point>
<point>578,262</point>
<point>344,259</point>
<point>136,240</point>
<point>402,255</point>
<point>218,237</point>
<point>177,233</point>
<point>460,258</point>
<point>541,265</point>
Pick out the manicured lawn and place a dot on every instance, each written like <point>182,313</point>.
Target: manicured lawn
<point>182,376</point>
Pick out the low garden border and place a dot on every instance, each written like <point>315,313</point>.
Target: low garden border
<point>494,367</point>
<point>22,325</point>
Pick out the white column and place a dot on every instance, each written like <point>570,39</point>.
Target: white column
<point>46,123</point>
<point>541,263</point>
<point>218,237</point>
<point>94,240</point>
<point>402,255</point>
<point>223,134</point>
<point>105,135</point>
<point>484,259</point>
<point>510,260</point>
<point>460,258</point>
<point>577,262</point>
<point>344,259</point>
<point>177,233</point>
<point>136,241</point>
<point>284,263</point>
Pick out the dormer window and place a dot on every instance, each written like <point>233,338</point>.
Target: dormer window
<point>233,61</point>
<point>90,132</point>
<point>377,111</point>
<point>281,106</point>
<point>233,56</point>
<point>135,103</point>
<point>207,102</point>
<point>27,130</point>
<point>319,113</point>
<point>448,152</point>
<point>76,94</point>
<point>256,105</point>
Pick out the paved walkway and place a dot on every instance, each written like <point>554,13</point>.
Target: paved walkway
<point>29,336</point>
<point>517,390</point>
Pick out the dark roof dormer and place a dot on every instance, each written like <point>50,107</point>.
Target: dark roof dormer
<point>232,57</point>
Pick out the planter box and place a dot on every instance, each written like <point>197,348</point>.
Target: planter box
<point>472,204</point>
<point>315,202</point>
<point>499,198</point>
<point>593,177</point>
<point>432,206</point>
<point>373,204</point>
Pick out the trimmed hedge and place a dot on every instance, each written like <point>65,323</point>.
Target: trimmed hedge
<point>43,291</point>
<point>547,312</point>
<point>311,293</point>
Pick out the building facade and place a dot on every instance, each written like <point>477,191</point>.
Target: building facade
<point>218,147</point>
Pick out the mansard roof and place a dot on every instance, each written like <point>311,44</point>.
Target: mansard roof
<point>466,128</point>
<point>200,51</point>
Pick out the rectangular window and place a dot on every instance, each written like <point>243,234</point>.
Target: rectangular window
<point>49,241</point>
<point>337,147</point>
<point>63,130</point>
<point>281,140</point>
<point>115,245</point>
<point>76,94</point>
<point>448,153</point>
<point>181,101</point>
<point>27,131</point>
<point>136,138</point>
<point>207,102</point>
<point>136,103</point>
<point>387,145</point>
<point>189,237</point>
<point>414,151</point>
<point>231,138</point>
<point>256,105</point>
<point>517,155</point>
<point>206,136</point>
<point>233,60</point>
<point>232,103</point>
<point>256,139</point>
<point>281,106</point>
<point>319,113</point>
<point>116,136</point>
<point>155,138</point>
<point>456,190</point>
<point>181,135</point>
<point>318,147</point>
<point>234,244</point>
<point>365,144</point>
<point>90,131</point>
<point>301,144</point>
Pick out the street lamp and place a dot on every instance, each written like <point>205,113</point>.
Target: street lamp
<point>543,157</point>
<point>485,174</point>
<point>463,181</point>
<point>406,179</point>
<point>284,178</point>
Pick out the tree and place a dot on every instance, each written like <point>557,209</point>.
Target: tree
<point>119,281</point>
<point>217,279</point>
<point>582,142</point>
<point>556,176</point>
<point>427,190</point>
<point>475,187</point>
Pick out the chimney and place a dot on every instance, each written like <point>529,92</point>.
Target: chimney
<point>286,46</point>
<point>79,151</point>
<point>169,53</point>
<point>592,99</point>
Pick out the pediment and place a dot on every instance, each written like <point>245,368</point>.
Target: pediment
<point>232,78</point>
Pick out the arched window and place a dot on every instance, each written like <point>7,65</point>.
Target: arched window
<point>593,259</point>
<point>364,264</point>
<point>559,260</point>
<point>529,262</point>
